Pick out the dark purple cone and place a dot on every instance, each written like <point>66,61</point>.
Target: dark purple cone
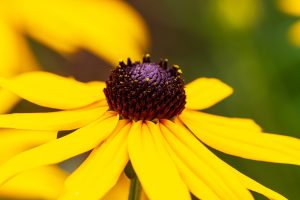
<point>146,91</point>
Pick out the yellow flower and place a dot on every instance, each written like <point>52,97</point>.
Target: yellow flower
<point>111,29</point>
<point>292,7</point>
<point>142,117</point>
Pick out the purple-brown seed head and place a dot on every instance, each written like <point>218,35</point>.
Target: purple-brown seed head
<point>146,91</point>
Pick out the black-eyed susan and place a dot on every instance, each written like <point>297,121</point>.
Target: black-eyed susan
<point>145,118</point>
<point>66,26</point>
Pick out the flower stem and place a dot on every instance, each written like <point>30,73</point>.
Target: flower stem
<point>135,189</point>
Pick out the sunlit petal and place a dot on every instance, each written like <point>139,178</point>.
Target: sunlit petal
<point>68,25</point>
<point>224,183</point>
<point>220,121</point>
<point>246,143</point>
<point>40,183</point>
<point>58,150</point>
<point>102,169</point>
<point>205,92</point>
<point>60,120</point>
<point>50,90</point>
<point>14,141</point>
<point>7,101</point>
<point>98,86</point>
<point>156,171</point>
<point>257,187</point>
<point>8,51</point>
<point>120,191</point>
<point>201,151</point>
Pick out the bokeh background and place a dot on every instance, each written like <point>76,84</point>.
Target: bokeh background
<point>245,43</point>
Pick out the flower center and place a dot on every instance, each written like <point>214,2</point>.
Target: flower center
<point>146,91</point>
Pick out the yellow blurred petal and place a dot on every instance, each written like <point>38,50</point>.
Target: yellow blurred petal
<point>60,120</point>
<point>198,148</point>
<point>50,90</point>
<point>7,101</point>
<point>40,183</point>
<point>14,141</point>
<point>294,34</point>
<point>14,51</point>
<point>80,141</point>
<point>67,25</point>
<point>246,143</point>
<point>120,191</point>
<point>154,168</point>
<point>290,6</point>
<point>230,122</point>
<point>102,169</point>
<point>205,92</point>
<point>15,58</point>
<point>224,183</point>
<point>8,51</point>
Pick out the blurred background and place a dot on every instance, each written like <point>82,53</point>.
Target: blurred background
<point>245,43</point>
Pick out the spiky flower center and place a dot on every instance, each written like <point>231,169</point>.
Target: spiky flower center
<point>146,91</point>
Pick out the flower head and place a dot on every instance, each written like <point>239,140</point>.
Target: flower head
<point>167,151</point>
<point>145,91</point>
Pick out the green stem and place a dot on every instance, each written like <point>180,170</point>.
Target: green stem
<point>135,189</point>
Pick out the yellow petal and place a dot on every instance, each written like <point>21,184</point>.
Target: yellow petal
<point>230,122</point>
<point>14,141</point>
<point>198,148</point>
<point>120,191</point>
<point>205,92</point>
<point>14,51</point>
<point>60,120</point>
<point>80,141</point>
<point>290,6</point>
<point>155,170</point>
<point>245,143</point>
<point>40,183</point>
<point>50,90</point>
<point>67,25</point>
<point>196,185</point>
<point>8,51</point>
<point>224,183</point>
<point>98,86</point>
<point>102,169</point>
<point>257,187</point>
<point>7,101</point>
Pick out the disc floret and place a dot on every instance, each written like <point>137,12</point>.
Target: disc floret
<point>147,90</point>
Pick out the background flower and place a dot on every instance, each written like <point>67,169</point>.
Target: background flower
<point>292,7</point>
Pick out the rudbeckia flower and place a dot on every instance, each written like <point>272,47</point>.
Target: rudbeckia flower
<point>144,117</point>
<point>292,7</point>
<point>110,29</point>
